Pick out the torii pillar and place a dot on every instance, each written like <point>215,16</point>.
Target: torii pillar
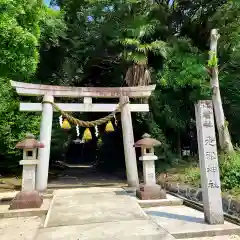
<point>128,142</point>
<point>45,138</point>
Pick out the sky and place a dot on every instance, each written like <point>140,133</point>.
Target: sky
<point>47,1</point>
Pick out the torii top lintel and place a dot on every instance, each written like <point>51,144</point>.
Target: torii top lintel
<point>29,89</point>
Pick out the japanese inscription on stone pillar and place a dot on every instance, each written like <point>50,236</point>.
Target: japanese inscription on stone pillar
<point>210,177</point>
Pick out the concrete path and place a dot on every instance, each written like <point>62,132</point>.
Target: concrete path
<point>98,214</point>
<point>184,223</point>
<point>22,228</point>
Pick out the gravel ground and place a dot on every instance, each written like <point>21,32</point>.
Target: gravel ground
<point>22,228</point>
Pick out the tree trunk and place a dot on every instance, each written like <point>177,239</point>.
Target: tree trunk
<point>222,126</point>
<point>138,75</point>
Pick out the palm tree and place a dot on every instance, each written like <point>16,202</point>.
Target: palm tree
<point>137,46</point>
<point>138,74</point>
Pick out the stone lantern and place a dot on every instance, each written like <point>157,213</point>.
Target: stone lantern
<point>149,190</point>
<point>28,197</point>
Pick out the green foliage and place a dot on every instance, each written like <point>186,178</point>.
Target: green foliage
<point>136,39</point>
<point>164,151</point>
<point>19,35</point>
<point>184,67</point>
<point>13,127</point>
<point>230,170</point>
<point>182,82</point>
<point>227,20</point>
<point>19,56</point>
<point>98,50</point>
<point>52,27</point>
<point>192,175</point>
<point>137,33</point>
<point>139,51</point>
<point>213,61</point>
<point>95,43</point>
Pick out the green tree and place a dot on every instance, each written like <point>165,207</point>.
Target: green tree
<point>19,36</point>
<point>105,39</point>
<point>107,35</point>
<point>53,28</point>
<point>182,82</point>
<point>136,33</point>
<point>24,26</point>
<point>13,127</point>
<point>227,20</point>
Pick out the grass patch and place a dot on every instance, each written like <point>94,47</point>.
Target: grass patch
<point>185,172</point>
<point>10,184</point>
<point>188,172</point>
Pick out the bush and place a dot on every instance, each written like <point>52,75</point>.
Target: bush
<point>229,165</point>
<point>192,175</point>
<point>13,127</point>
<point>230,170</point>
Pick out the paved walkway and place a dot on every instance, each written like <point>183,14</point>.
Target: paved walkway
<point>78,176</point>
<point>98,214</point>
<point>108,214</point>
<point>184,222</point>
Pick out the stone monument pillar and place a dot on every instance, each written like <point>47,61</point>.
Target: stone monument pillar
<point>208,157</point>
<point>149,190</point>
<point>28,197</point>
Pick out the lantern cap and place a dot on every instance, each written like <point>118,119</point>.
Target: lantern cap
<point>147,141</point>
<point>29,143</point>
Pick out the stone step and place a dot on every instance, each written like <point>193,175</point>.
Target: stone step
<point>170,201</point>
<point>41,212</point>
<point>98,214</point>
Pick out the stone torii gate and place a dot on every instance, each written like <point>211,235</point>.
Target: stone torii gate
<point>49,92</point>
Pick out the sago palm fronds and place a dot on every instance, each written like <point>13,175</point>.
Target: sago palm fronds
<point>137,53</point>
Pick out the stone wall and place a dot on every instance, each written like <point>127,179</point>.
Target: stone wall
<point>230,206</point>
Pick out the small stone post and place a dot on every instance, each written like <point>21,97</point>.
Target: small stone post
<point>208,157</point>
<point>149,190</point>
<point>28,197</point>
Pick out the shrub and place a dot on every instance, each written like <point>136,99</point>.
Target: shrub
<point>192,175</point>
<point>230,170</point>
<point>13,127</point>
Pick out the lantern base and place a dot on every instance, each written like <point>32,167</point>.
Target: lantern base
<point>149,192</point>
<point>25,200</point>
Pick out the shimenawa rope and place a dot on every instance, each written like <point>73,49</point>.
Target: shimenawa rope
<point>87,124</point>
